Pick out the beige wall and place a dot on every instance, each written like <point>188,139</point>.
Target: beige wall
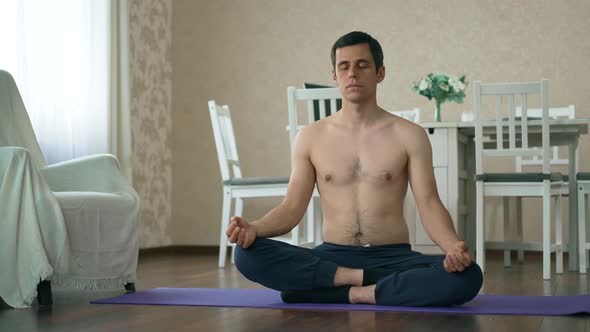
<point>246,54</point>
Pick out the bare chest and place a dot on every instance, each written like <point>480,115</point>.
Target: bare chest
<point>348,161</point>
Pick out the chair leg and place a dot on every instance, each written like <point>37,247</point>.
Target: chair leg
<point>519,227</point>
<point>546,230</point>
<point>44,296</point>
<point>295,236</point>
<point>310,222</point>
<point>558,236</point>
<point>582,210</point>
<point>506,210</point>
<point>130,287</point>
<point>479,226</point>
<point>238,212</point>
<point>225,215</point>
<point>317,221</point>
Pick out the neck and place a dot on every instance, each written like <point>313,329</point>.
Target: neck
<point>359,115</point>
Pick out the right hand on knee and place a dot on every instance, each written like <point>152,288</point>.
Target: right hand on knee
<point>241,232</point>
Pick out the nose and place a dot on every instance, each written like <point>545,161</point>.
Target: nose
<point>352,72</point>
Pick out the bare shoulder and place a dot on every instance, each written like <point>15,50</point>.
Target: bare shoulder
<point>307,135</point>
<point>412,135</point>
<point>315,129</point>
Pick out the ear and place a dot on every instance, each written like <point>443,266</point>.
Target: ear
<point>381,74</point>
<point>334,76</point>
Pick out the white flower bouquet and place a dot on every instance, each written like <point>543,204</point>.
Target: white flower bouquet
<point>441,88</point>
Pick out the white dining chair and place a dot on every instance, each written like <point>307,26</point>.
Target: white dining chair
<point>237,187</point>
<point>583,182</point>
<point>305,106</point>
<point>317,102</point>
<point>567,112</point>
<point>545,184</point>
<point>315,106</point>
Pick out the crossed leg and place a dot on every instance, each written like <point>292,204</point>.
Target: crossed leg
<point>309,275</point>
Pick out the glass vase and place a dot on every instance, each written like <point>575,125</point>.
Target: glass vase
<point>437,112</point>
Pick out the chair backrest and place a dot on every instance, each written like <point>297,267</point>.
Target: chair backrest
<point>566,112</point>
<point>322,97</point>
<point>316,104</point>
<point>411,115</point>
<point>509,92</point>
<point>225,141</point>
<point>15,125</point>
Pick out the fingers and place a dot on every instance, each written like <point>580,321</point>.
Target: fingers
<point>234,222</point>
<point>233,236</point>
<point>452,263</point>
<point>248,239</point>
<point>238,236</point>
<point>230,228</point>
<point>446,266</point>
<point>465,259</point>
<point>240,232</point>
<point>459,267</point>
<point>449,265</point>
<point>241,236</point>
<point>463,254</point>
<point>458,258</point>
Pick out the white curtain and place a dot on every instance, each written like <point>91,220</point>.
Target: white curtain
<point>119,114</point>
<point>59,53</point>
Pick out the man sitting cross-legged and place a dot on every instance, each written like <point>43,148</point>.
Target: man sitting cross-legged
<point>362,159</point>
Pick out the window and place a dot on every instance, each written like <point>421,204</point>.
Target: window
<point>58,52</point>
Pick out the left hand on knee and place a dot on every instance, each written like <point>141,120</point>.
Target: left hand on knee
<point>457,258</point>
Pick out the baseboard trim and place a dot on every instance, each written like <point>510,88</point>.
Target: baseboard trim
<point>183,249</point>
<point>195,249</point>
<point>533,253</point>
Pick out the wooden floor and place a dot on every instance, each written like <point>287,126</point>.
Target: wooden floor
<point>72,312</point>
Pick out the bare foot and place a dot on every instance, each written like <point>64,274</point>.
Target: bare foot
<point>346,276</point>
<point>362,294</point>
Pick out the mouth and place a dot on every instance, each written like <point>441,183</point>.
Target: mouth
<point>354,86</point>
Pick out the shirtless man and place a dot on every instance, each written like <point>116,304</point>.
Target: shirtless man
<point>362,159</point>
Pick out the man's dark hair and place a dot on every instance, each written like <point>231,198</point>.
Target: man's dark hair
<point>358,37</point>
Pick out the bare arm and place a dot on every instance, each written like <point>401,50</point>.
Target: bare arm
<point>435,217</point>
<point>288,214</point>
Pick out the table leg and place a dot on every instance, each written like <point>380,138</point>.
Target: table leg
<point>470,196</point>
<point>573,207</point>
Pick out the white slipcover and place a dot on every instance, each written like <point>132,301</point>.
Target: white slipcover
<point>74,223</point>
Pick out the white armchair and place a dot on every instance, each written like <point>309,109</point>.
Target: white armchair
<point>74,223</point>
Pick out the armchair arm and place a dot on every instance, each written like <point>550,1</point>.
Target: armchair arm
<point>96,173</point>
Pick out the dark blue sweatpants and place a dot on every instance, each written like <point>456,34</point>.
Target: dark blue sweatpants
<point>421,279</point>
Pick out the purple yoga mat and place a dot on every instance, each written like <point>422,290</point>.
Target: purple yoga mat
<point>266,298</point>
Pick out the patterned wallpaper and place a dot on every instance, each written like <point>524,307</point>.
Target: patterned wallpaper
<point>150,39</point>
